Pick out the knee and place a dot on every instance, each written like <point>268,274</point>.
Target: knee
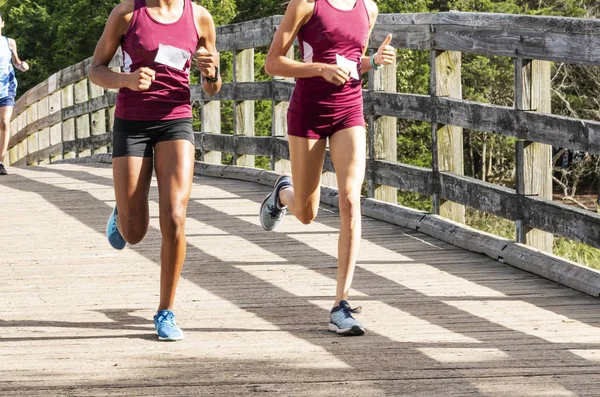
<point>4,125</point>
<point>349,207</point>
<point>306,218</point>
<point>172,222</point>
<point>133,226</point>
<point>307,215</point>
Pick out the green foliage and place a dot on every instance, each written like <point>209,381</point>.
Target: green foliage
<point>577,252</point>
<point>564,248</point>
<point>491,224</point>
<point>222,11</point>
<point>256,9</point>
<point>54,34</point>
<point>416,201</point>
<point>414,143</point>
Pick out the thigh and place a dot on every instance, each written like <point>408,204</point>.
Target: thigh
<point>174,164</point>
<point>6,113</point>
<point>132,177</point>
<point>307,157</point>
<point>348,153</point>
<point>133,138</point>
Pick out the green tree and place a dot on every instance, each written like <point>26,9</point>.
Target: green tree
<point>54,34</point>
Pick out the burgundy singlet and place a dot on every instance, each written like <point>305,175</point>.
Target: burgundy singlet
<point>318,109</point>
<point>169,95</point>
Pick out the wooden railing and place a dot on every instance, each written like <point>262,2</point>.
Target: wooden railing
<point>67,116</point>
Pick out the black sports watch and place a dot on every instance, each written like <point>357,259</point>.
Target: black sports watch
<point>213,79</point>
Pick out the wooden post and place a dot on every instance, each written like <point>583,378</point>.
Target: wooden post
<point>210,121</point>
<point>210,114</point>
<point>22,149</point>
<point>244,110</point>
<point>98,119</point>
<point>598,199</point>
<point>31,142</point>
<point>68,126</point>
<point>32,145</point>
<point>279,122</point>
<point>82,123</point>
<point>534,165</point>
<point>54,106</point>
<point>13,153</point>
<point>446,67</point>
<point>385,139</point>
<point>43,136</point>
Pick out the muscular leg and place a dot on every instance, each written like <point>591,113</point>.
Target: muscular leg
<point>5,116</point>
<point>132,176</point>
<point>307,157</point>
<point>347,148</point>
<point>174,172</point>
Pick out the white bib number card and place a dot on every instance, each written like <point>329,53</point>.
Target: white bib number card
<point>172,56</point>
<point>344,62</point>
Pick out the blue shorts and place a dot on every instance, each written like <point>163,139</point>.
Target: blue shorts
<point>7,101</point>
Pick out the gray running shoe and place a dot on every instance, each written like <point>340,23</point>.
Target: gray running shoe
<point>3,170</point>
<point>342,322</point>
<point>271,214</point>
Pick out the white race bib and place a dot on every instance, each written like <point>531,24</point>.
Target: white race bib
<point>172,56</point>
<point>344,62</point>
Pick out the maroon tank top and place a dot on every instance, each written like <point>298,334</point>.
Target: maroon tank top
<point>328,33</point>
<point>168,49</point>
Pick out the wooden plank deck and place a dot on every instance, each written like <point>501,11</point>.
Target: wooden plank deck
<point>76,317</point>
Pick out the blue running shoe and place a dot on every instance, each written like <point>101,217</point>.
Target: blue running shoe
<point>342,322</point>
<point>271,213</point>
<point>166,327</point>
<point>112,232</point>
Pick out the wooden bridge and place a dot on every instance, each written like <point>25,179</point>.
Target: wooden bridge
<point>449,309</point>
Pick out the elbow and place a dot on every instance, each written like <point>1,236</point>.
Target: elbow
<point>93,75</point>
<point>269,66</point>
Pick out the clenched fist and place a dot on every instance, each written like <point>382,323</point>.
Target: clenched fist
<point>206,62</point>
<point>335,74</point>
<point>141,79</point>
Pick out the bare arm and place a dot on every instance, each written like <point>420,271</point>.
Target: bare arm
<point>21,65</point>
<point>207,57</point>
<point>365,64</point>
<point>297,14</point>
<point>386,53</point>
<point>100,74</point>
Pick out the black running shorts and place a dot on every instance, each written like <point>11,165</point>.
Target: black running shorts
<point>138,138</point>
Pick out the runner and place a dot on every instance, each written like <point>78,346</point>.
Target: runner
<point>8,89</point>
<point>153,125</point>
<point>326,104</point>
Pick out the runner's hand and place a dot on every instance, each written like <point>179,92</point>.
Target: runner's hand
<point>335,74</point>
<point>206,62</point>
<point>141,79</point>
<point>385,53</point>
<point>24,66</point>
